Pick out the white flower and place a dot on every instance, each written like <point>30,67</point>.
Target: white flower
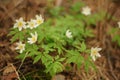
<point>95,53</point>
<point>33,39</point>
<point>32,24</point>
<point>119,24</point>
<point>20,24</point>
<point>68,34</point>
<point>86,10</point>
<point>39,20</point>
<point>20,46</point>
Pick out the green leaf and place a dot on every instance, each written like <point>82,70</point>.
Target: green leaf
<point>13,32</point>
<point>21,36</point>
<point>44,59</point>
<point>76,6</point>
<point>83,47</point>
<point>72,59</point>
<point>75,57</point>
<point>15,37</point>
<point>21,56</point>
<point>37,58</point>
<point>31,54</point>
<point>89,33</point>
<point>18,36</point>
<point>31,47</point>
<point>89,63</point>
<point>48,63</point>
<point>61,59</point>
<point>48,47</point>
<point>48,57</point>
<point>54,68</point>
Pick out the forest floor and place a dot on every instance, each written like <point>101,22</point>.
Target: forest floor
<point>108,65</point>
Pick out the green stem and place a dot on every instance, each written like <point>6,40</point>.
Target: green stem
<point>22,61</point>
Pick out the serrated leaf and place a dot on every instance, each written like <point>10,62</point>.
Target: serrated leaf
<point>48,69</point>
<point>83,47</point>
<point>35,47</point>
<point>61,59</point>
<point>57,57</point>
<point>37,58</point>
<point>86,66</point>
<point>48,57</point>
<point>80,61</point>
<point>44,60</point>
<point>31,54</point>
<point>88,33</point>
<point>48,63</point>
<point>15,37</point>
<point>71,59</point>
<point>21,36</point>
<point>11,33</point>
<point>21,56</point>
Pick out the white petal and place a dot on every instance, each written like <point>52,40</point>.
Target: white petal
<point>32,34</point>
<point>36,34</point>
<point>99,49</point>
<point>92,48</point>
<point>20,28</point>
<point>21,51</point>
<point>24,27</point>
<point>93,57</point>
<point>36,16</point>
<point>98,55</point>
<point>15,25</point>
<point>29,39</point>
<point>20,42</point>
<point>30,42</point>
<point>17,48</point>
<point>119,24</point>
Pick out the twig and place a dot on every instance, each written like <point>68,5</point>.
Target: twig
<point>15,72</point>
<point>22,75</point>
<point>22,61</point>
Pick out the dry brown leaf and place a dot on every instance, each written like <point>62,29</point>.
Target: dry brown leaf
<point>10,73</point>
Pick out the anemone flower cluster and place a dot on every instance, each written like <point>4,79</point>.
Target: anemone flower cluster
<point>33,23</point>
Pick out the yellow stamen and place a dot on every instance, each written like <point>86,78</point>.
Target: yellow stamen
<point>94,52</point>
<point>21,47</point>
<point>20,24</point>
<point>39,21</point>
<point>33,39</point>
